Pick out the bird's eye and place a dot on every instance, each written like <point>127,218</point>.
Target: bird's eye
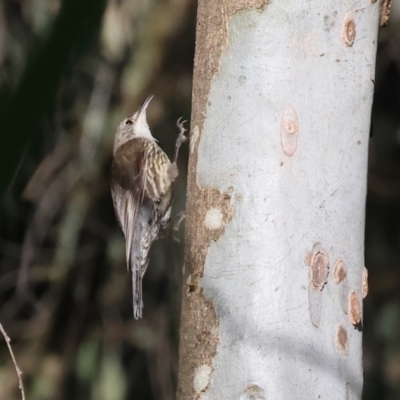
<point>128,122</point>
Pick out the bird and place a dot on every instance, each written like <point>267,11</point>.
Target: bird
<point>142,179</point>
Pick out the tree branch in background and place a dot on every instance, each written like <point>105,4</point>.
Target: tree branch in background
<point>19,372</point>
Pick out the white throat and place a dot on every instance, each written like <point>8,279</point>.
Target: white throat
<point>141,128</point>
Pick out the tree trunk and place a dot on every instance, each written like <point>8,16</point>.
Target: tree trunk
<point>274,265</point>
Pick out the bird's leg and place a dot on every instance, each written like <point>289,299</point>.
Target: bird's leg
<point>173,169</point>
<point>181,137</point>
<point>179,219</point>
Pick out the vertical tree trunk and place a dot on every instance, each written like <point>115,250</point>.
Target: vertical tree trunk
<point>274,267</point>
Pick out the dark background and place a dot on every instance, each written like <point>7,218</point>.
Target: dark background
<point>69,72</point>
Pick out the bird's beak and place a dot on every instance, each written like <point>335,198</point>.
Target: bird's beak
<point>143,107</point>
<point>140,127</point>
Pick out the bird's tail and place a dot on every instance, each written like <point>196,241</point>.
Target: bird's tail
<point>139,260</point>
<point>137,293</point>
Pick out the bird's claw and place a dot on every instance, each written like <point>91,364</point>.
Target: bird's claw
<point>180,123</point>
<point>179,219</point>
<point>181,137</point>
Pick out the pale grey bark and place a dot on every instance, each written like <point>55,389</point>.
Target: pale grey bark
<point>272,304</point>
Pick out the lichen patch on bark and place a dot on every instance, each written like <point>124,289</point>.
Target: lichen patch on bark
<point>238,5</point>
<point>194,138</point>
<point>349,29</point>
<point>289,130</point>
<point>341,340</point>
<point>202,378</point>
<point>253,392</point>
<point>339,271</point>
<point>365,283</point>
<point>354,309</point>
<point>319,267</point>
<point>214,218</point>
<point>386,6</point>
<point>318,262</point>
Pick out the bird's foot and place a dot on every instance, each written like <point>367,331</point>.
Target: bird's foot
<point>178,220</point>
<point>181,137</point>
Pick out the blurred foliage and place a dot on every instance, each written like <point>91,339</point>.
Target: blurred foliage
<point>69,72</point>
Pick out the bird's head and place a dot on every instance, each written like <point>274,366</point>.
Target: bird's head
<point>134,126</point>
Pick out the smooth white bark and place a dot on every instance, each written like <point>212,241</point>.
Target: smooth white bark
<point>286,134</point>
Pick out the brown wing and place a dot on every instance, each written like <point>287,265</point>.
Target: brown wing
<point>129,166</point>
<point>157,180</point>
<point>127,187</point>
<point>159,187</point>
